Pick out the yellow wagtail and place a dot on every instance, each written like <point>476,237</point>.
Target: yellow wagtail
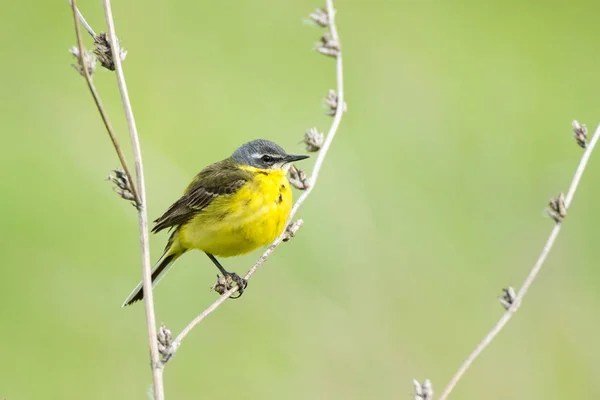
<point>231,207</point>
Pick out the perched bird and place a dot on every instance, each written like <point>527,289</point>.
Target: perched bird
<point>231,207</point>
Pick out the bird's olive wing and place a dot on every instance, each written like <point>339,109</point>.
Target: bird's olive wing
<point>220,179</point>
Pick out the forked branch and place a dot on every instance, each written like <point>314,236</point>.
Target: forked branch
<point>137,189</point>
<point>84,68</point>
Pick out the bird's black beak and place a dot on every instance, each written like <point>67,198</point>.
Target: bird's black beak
<point>291,158</point>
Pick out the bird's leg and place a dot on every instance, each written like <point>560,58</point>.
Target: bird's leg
<point>241,282</point>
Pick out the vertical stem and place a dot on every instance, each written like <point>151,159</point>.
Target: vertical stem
<point>157,370</point>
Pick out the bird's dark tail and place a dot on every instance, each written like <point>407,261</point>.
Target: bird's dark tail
<point>172,253</point>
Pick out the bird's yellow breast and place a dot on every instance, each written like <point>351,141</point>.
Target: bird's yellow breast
<point>238,223</point>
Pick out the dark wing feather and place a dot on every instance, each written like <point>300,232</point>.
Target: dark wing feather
<point>222,178</point>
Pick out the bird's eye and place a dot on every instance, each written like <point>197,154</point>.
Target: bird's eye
<point>267,158</point>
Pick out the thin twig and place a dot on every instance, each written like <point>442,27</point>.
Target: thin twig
<point>177,342</point>
<point>96,96</point>
<point>83,21</point>
<point>315,174</point>
<point>157,371</point>
<point>530,278</point>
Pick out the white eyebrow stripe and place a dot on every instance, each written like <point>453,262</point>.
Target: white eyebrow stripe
<point>259,155</point>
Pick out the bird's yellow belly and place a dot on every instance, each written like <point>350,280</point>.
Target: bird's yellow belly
<point>239,223</point>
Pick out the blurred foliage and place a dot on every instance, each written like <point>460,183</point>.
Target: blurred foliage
<point>457,134</point>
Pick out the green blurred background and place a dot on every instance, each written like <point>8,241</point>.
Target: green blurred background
<point>431,200</point>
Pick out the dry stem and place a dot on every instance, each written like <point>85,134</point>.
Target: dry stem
<point>530,278</point>
<point>177,342</point>
<point>82,19</point>
<point>157,372</point>
<point>96,96</point>
<point>315,174</point>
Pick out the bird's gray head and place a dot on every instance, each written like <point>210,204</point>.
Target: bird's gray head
<point>264,154</point>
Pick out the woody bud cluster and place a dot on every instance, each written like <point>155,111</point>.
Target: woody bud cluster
<point>88,59</point>
<point>580,133</point>
<point>313,139</point>
<point>508,298</point>
<point>164,339</point>
<point>328,46</point>
<point>103,51</point>
<point>423,391</point>
<point>332,102</point>
<point>291,229</point>
<point>123,186</point>
<point>320,17</point>
<point>298,178</point>
<point>558,209</point>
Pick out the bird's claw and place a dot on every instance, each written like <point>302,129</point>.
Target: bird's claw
<point>241,284</point>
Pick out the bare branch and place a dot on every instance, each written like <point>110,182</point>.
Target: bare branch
<point>284,237</point>
<point>157,371</point>
<point>96,96</point>
<point>516,301</point>
<point>290,231</point>
<point>83,21</point>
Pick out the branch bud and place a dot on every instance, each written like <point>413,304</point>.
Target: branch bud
<point>508,298</point>
<point>88,58</point>
<point>103,51</point>
<point>313,139</point>
<point>320,17</point>
<point>558,208</point>
<point>423,391</point>
<point>332,102</point>
<point>292,229</point>
<point>329,46</point>
<point>123,186</point>
<point>580,133</point>
<point>164,339</point>
<point>298,178</point>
